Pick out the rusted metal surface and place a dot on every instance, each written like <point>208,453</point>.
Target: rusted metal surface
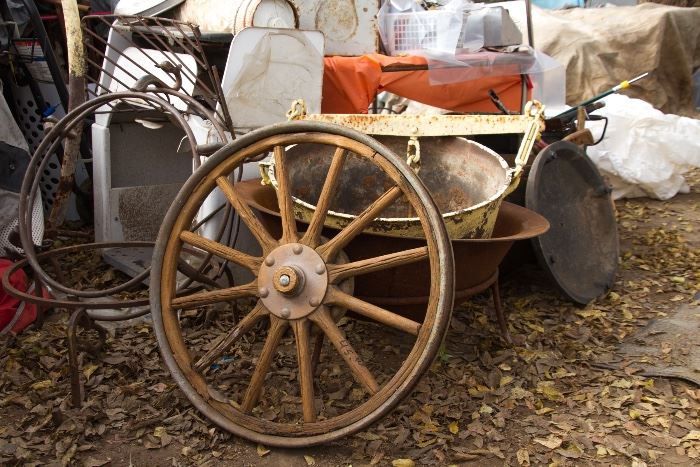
<point>467,181</point>
<point>429,125</point>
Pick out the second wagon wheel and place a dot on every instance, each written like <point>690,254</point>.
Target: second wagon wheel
<point>289,372</point>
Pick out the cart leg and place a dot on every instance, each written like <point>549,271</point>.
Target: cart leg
<point>500,316</point>
<point>79,318</point>
<point>71,331</point>
<point>40,309</point>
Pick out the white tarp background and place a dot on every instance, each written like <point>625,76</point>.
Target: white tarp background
<point>645,152</point>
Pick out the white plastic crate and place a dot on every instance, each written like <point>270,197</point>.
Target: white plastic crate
<point>449,32</point>
<point>415,31</point>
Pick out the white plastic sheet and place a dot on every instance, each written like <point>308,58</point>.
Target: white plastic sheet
<point>645,152</point>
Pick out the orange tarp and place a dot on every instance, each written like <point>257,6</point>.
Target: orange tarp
<point>350,84</point>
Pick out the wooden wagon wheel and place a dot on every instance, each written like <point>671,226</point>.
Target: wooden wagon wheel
<point>296,281</point>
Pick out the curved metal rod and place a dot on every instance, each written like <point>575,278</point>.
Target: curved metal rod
<point>51,302</point>
<point>27,195</point>
<point>31,181</point>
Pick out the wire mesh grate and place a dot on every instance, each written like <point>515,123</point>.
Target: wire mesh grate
<point>149,54</point>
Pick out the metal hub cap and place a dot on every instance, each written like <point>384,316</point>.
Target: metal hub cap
<point>292,281</point>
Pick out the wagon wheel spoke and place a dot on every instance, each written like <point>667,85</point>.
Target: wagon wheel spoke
<point>275,333</point>
<point>195,275</point>
<point>363,376</point>
<point>335,296</point>
<point>339,272</point>
<point>306,382</point>
<point>214,296</point>
<point>246,214</point>
<point>284,198</point>
<point>330,187</point>
<point>243,326</point>
<point>249,262</point>
<point>330,249</point>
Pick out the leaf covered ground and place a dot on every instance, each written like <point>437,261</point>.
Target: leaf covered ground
<point>553,398</point>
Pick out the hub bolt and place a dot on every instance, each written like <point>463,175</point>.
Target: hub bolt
<point>297,249</point>
<point>269,261</point>
<point>263,292</point>
<point>285,313</point>
<point>284,280</point>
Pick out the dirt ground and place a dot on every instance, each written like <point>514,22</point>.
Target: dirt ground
<point>548,399</point>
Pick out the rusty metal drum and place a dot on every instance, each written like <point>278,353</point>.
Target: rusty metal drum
<point>467,180</point>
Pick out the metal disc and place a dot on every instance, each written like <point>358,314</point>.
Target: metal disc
<point>581,251</point>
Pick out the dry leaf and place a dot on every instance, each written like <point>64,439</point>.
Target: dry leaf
<point>92,462</point>
<point>523,456</point>
<point>571,451</point>
<point>262,450</point>
<point>403,463</point>
<point>88,370</point>
<point>505,380</point>
<point>547,389</point>
<point>551,442</point>
<point>40,385</point>
<point>453,427</point>
<point>309,460</point>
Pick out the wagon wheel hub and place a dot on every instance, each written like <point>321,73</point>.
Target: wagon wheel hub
<point>292,281</point>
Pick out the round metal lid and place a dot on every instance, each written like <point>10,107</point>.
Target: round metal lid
<point>581,251</point>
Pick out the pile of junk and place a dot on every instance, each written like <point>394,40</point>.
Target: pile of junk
<point>292,165</point>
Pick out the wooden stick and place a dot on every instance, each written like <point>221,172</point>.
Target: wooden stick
<point>77,70</point>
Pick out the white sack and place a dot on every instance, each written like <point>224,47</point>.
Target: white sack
<point>645,152</point>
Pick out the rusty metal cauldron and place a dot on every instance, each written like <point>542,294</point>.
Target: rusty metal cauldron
<point>467,180</point>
